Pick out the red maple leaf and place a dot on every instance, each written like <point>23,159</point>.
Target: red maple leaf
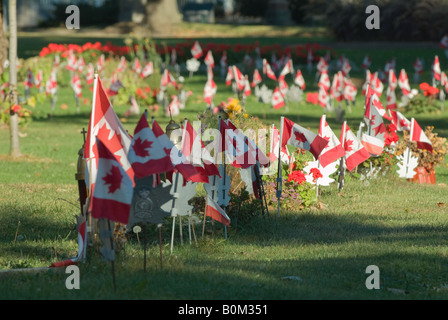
<point>328,140</point>
<point>113,179</point>
<point>403,123</point>
<point>380,129</point>
<point>141,147</point>
<point>300,136</point>
<point>348,145</point>
<point>114,144</point>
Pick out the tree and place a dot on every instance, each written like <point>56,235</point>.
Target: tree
<point>14,118</point>
<point>3,41</point>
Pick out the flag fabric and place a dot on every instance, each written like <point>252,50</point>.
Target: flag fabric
<point>105,125</point>
<point>81,64</point>
<point>285,156</point>
<point>333,150</point>
<point>346,67</point>
<point>147,70</point>
<point>208,60</point>
<point>167,79</point>
<point>282,86</point>
<point>298,136</point>
<point>418,135</point>
<point>76,85</point>
<point>267,70</point>
<point>115,86</point>
<point>443,81</point>
<point>146,155</point>
<point>71,61</point>
<point>366,62</point>
<point>287,68</point>
<point>324,81</point>
<point>403,82</point>
<point>277,100</point>
<point>134,108</point>
<point>196,50</point>
<point>136,66</point>
<point>38,79</point>
<point>391,103</point>
<point>392,81</point>
<point>400,121</point>
<point>229,76</point>
<point>100,63</point>
<point>323,98</point>
<point>247,88</point>
<point>114,189</point>
<point>90,73</point>
<point>372,144</point>
<point>436,69</point>
<point>121,65</point>
<point>373,115</point>
<point>215,212</point>
<point>178,160</point>
<point>299,80</point>
<point>376,84</point>
<point>239,78</point>
<point>350,90</point>
<point>444,42</point>
<point>51,86</point>
<point>418,66</point>
<point>322,66</point>
<point>256,79</point>
<point>29,81</point>
<point>355,153</point>
<point>337,87</point>
<point>210,90</point>
<point>197,154</point>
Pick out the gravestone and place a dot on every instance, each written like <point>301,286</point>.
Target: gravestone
<point>278,13</point>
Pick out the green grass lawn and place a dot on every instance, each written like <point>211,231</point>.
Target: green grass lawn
<point>392,223</point>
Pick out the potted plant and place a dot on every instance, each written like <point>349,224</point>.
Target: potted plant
<point>427,161</point>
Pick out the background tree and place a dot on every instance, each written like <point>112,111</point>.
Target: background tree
<point>3,41</point>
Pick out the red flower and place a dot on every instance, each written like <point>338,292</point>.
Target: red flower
<point>297,176</point>
<point>16,108</point>
<point>315,172</point>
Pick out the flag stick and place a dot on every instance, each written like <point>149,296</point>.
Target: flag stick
<point>144,247</point>
<point>410,145</point>
<point>112,262</point>
<point>279,173</point>
<point>341,165</point>
<point>159,226</point>
<point>172,233</point>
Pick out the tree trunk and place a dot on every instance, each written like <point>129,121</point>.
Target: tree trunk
<point>3,40</point>
<point>14,118</point>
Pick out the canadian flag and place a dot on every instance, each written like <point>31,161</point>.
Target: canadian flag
<point>391,103</point>
<point>355,153</point>
<point>367,83</point>
<point>372,144</point>
<point>121,65</point>
<point>277,99</point>
<point>436,69</point>
<point>288,68</point>
<point>57,61</point>
<point>167,79</point>
<point>215,212</point>
<point>81,64</point>
<point>147,70</point>
<point>208,60</point>
<point>267,70</point>
<point>29,81</point>
<point>282,86</point>
<point>146,155</point>
<point>210,90</point>
<point>137,67</point>
<point>178,160</point>
<point>196,50</point>
<point>297,136</point>
<point>100,63</point>
<point>323,97</point>
<point>444,42</point>
<point>71,61</point>
<point>134,109</point>
<point>285,156</point>
<point>376,84</point>
<point>210,74</point>
<point>322,66</point>
<point>337,87</point>
<point>366,62</point>
<point>324,81</point>
<point>174,107</point>
<point>247,90</point>
<point>299,80</point>
<point>350,90</point>
<point>403,82</point>
<point>418,66</point>
<point>333,150</point>
<point>105,125</point>
<point>400,121</point>
<point>113,191</point>
<point>256,79</point>
<point>229,76</point>
<point>239,78</point>
<point>38,79</point>
<point>392,81</point>
<point>418,135</point>
<point>51,86</point>
<point>76,85</point>
<point>196,153</point>
<point>443,81</point>
<point>346,67</point>
<point>90,73</point>
<point>373,115</point>
<point>115,86</point>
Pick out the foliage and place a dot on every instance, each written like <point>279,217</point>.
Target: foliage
<point>405,20</point>
<point>425,158</point>
<point>427,102</point>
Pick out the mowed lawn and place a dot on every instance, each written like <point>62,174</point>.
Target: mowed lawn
<point>396,225</point>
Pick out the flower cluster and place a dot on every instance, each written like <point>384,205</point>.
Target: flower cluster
<point>297,176</point>
<point>64,49</point>
<point>428,90</point>
<point>315,172</point>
